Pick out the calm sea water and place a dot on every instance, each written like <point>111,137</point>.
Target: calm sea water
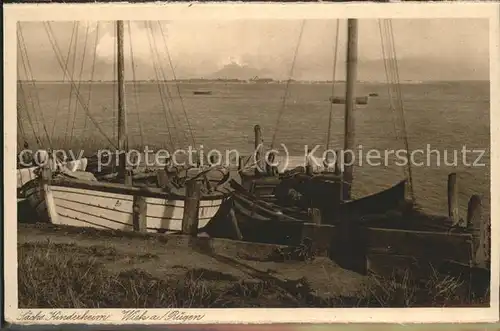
<point>445,116</point>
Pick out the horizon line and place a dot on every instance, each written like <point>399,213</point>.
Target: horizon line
<point>261,80</point>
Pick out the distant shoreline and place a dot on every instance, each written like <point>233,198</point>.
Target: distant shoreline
<point>236,81</point>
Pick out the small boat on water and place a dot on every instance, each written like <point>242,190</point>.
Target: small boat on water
<point>202,92</point>
<point>341,100</point>
<point>373,94</point>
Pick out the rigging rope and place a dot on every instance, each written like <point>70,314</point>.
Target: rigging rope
<point>91,76</point>
<point>57,51</point>
<point>134,78</point>
<point>80,81</point>
<point>392,74</point>
<point>283,105</point>
<point>175,118</point>
<point>389,79</point>
<point>70,99</point>
<point>114,90</point>
<point>63,79</point>
<point>163,78</point>
<point>27,67</point>
<point>20,127</point>
<point>30,121</point>
<point>165,105</point>
<point>335,54</point>
<point>400,100</point>
<point>177,84</point>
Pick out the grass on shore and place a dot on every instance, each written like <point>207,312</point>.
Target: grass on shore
<point>69,276</point>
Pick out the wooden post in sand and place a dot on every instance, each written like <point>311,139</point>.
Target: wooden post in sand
<point>479,230</point>
<point>46,179</point>
<point>315,215</point>
<point>309,169</point>
<point>191,207</point>
<point>453,198</point>
<point>46,173</point>
<point>234,223</point>
<point>337,171</point>
<point>139,217</point>
<point>257,149</point>
<point>128,178</point>
<point>162,178</point>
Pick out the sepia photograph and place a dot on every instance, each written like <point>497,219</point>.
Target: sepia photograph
<point>325,159</point>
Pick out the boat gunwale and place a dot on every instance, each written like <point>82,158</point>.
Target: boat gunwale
<point>117,188</point>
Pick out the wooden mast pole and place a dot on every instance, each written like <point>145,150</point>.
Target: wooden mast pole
<point>122,114</point>
<point>351,76</point>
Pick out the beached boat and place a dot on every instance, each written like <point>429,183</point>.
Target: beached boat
<point>79,199</point>
<point>270,221</point>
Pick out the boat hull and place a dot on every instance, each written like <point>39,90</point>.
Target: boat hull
<point>252,209</point>
<point>82,207</point>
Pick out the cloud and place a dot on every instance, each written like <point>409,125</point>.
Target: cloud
<point>457,47</point>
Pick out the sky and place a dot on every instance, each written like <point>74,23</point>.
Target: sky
<point>427,49</point>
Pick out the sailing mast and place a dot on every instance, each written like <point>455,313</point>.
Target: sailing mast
<point>351,66</point>
<point>122,114</point>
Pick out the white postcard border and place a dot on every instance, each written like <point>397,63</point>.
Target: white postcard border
<point>221,11</point>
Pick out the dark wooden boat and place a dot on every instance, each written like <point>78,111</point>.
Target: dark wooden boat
<point>317,194</point>
<point>359,238</point>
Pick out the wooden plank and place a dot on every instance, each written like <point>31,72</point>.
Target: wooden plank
<point>352,242</point>
<point>420,244</point>
<point>219,246</point>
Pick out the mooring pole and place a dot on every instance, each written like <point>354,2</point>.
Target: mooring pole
<point>46,179</point>
<point>453,212</point>
<point>315,215</point>
<point>337,171</point>
<point>479,230</point>
<point>240,163</point>
<point>258,148</point>
<point>351,76</point>
<point>139,213</point>
<point>191,208</point>
<point>234,223</point>
<point>122,112</point>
